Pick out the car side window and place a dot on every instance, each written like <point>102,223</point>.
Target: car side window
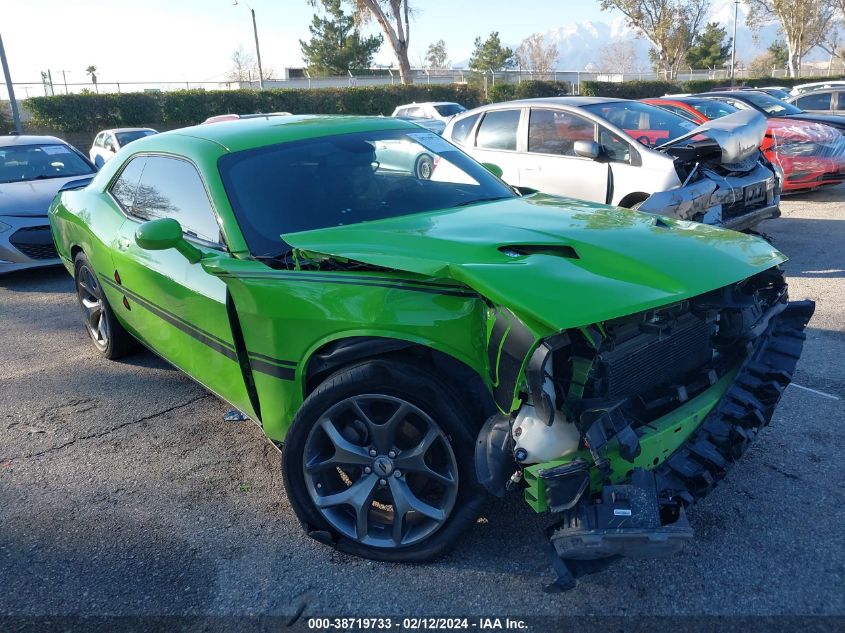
<point>108,143</point>
<point>614,148</point>
<point>126,185</point>
<point>498,130</point>
<point>679,111</point>
<point>462,128</point>
<point>840,99</point>
<point>814,101</point>
<point>555,132</point>
<point>98,140</point>
<point>739,105</point>
<point>172,188</point>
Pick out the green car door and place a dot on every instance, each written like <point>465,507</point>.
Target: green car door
<point>172,305</point>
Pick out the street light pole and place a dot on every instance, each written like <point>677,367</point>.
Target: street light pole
<point>733,48</point>
<point>64,78</point>
<point>257,49</point>
<point>16,117</point>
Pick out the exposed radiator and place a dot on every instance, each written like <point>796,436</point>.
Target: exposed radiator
<point>649,359</point>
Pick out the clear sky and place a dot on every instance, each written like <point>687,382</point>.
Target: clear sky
<point>192,40</point>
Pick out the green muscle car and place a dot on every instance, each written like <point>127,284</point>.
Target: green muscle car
<point>416,341</point>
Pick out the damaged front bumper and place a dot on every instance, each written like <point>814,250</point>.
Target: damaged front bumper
<point>624,424</point>
<point>683,456</point>
<point>737,201</point>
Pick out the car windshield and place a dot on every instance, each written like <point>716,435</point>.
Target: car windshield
<point>124,138</point>
<point>769,104</point>
<point>777,93</point>
<point>41,161</point>
<point>649,125</point>
<point>713,109</point>
<point>346,179</point>
<point>449,109</point>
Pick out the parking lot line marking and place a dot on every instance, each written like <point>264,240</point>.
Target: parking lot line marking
<point>820,393</point>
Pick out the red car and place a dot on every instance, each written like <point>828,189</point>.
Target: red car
<point>810,154</point>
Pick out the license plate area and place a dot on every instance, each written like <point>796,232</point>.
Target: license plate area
<point>755,194</point>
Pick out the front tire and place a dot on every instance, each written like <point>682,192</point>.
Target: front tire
<point>107,334</point>
<point>379,463</point>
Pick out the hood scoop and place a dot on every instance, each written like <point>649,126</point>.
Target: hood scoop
<point>556,250</point>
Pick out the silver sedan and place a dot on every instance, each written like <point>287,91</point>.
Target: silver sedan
<point>628,154</point>
<point>32,170</point>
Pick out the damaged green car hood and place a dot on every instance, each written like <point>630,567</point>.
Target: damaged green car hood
<point>555,262</point>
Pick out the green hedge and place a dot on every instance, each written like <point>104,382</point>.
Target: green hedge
<point>645,89</point>
<point>628,89</point>
<point>91,112</point>
<point>6,126</point>
<point>528,90</point>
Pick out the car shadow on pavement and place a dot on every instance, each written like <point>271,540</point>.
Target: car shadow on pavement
<point>822,194</point>
<point>145,358</point>
<point>52,279</point>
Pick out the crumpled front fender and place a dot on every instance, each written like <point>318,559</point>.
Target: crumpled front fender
<point>684,203</point>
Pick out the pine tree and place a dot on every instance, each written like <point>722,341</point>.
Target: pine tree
<point>490,54</point>
<point>709,48</point>
<point>336,45</point>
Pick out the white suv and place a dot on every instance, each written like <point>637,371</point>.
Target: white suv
<point>438,110</point>
<point>108,142</point>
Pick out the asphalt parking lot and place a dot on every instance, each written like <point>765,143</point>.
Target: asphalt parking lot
<point>124,492</point>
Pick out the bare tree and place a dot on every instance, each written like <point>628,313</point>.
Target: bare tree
<point>436,56</point>
<point>244,68</point>
<point>804,23</point>
<point>833,41</point>
<point>619,57</point>
<point>242,65</point>
<point>761,66</point>
<point>668,25</point>
<point>535,55</point>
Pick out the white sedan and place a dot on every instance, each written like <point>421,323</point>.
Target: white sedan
<point>108,142</point>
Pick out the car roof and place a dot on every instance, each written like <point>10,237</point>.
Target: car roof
<point>27,139</point>
<point>553,101</point>
<point>685,99</point>
<point>739,94</point>
<point>254,132</point>
<point>832,82</point>
<point>127,129</point>
<point>427,103</point>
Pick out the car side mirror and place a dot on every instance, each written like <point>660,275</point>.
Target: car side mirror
<point>587,149</point>
<point>493,169</point>
<point>164,233</point>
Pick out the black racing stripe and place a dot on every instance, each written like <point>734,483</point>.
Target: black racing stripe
<point>191,331</point>
<point>343,281</point>
<point>278,361</point>
<point>344,276</point>
<point>139,298</point>
<point>285,373</point>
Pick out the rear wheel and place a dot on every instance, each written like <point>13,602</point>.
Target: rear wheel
<point>424,167</point>
<point>108,336</point>
<point>379,463</point>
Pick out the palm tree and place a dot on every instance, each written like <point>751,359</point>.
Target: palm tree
<point>91,70</point>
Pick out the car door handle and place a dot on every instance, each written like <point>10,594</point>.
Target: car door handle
<point>536,168</point>
<point>123,243</point>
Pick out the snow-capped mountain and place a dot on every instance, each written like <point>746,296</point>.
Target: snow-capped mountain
<point>583,44</point>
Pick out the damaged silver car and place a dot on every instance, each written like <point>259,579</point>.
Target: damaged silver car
<point>628,154</point>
